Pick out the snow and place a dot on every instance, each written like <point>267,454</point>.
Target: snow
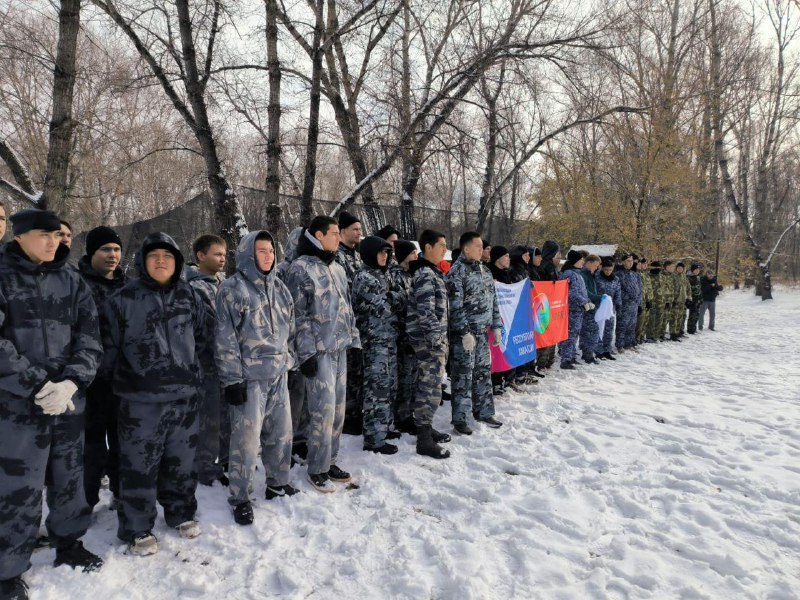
<point>600,250</point>
<point>673,472</point>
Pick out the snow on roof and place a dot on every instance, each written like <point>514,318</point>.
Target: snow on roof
<point>600,250</point>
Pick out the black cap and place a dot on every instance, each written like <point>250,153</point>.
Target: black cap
<point>402,248</point>
<point>100,236</point>
<point>607,261</point>
<point>574,256</point>
<point>346,219</point>
<point>497,252</point>
<point>694,267</point>
<point>33,218</point>
<point>385,232</point>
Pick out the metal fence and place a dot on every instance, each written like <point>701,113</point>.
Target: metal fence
<point>195,217</point>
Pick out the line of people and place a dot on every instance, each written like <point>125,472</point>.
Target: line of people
<point>177,376</point>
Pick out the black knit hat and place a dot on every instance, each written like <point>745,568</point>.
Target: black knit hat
<point>346,219</point>
<point>385,232</point>
<point>402,248</point>
<point>607,261</point>
<point>33,218</point>
<point>497,252</point>
<point>574,256</point>
<point>536,251</point>
<point>694,267</point>
<point>100,236</point>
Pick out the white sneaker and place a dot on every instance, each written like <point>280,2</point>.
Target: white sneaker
<point>188,529</point>
<point>143,545</point>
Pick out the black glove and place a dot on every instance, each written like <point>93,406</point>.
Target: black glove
<point>648,305</point>
<point>236,394</point>
<point>309,368</point>
<point>639,310</point>
<point>688,304</point>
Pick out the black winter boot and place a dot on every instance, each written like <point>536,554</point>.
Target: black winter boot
<point>426,446</point>
<point>440,437</point>
<point>76,556</point>
<point>13,589</point>
<point>407,426</point>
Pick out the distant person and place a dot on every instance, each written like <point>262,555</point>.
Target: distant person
<point>710,289</point>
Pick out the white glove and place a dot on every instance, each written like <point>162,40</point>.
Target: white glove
<point>56,398</point>
<point>588,306</point>
<point>498,335</point>
<point>468,341</point>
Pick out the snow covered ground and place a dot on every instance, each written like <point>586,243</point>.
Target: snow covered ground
<point>672,473</point>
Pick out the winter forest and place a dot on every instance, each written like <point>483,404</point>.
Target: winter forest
<point>668,127</point>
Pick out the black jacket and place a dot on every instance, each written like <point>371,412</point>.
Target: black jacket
<point>709,288</point>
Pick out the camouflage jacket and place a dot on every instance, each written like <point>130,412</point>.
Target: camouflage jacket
<point>647,287</point>
<point>472,297</point>
<point>400,287</point>
<point>255,327</point>
<point>101,287</point>
<point>48,326</point>
<point>350,260</point>
<point>289,253</point>
<point>323,315</point>
<point>154,335</point>
<point>630,286</point>
<point>426,324</point>
<point>610,286</point>
<point>679,289</point>
<point>373,307</point>
<point>577,288</point>
<point>662,288</point>
<point>696,290</point>
<point>206,287</point>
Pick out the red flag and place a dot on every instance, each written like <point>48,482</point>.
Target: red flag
<point>550,312</point>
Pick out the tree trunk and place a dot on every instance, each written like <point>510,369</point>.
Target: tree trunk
<point>228,216</point>
<point>273,180</point>
<point>310,171</point>
<point>61,124</point>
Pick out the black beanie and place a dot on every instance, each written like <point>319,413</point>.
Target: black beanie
<point>497,252</point>
<point>536,251</point>
<point>100,236</point>
<point>33,218</point>
<point>385,232</point>
<point>574,256</point>
<point>346,219</point>
<point>402,248</point>
<point>607,261</point>
<point>486,244</point>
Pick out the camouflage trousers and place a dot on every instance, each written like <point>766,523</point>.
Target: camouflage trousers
<point>567,349</point>
<point>657,322</point>
<point>691,321</point>
<point>101,443</point>
<point>606,343</point>
<point>355,375</point>
<point>641,325</point>
<point>266,419</point>
<point>28,440</point>
<point>545,357</point>
<point>471,379</point>
<point>406,373</point>
<point>677,319</point>
<point>626,325</point>
<point>325,394</point>
<point>590,335</point>
<point>428,389</point>
<point>157,445</point>
<point>379,388</point>
<point>299,406</point>
<point>214,438</point>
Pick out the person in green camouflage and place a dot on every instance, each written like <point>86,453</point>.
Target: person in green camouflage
<point>662,301</point>
<point>669,332</point>
<point>682,305</point>
<point>647,300</point>
<point>695,299</point>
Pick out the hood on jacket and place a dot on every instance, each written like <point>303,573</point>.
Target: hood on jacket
<point>370,246</point>
<point>305,247</point>
<point>549,251</point>
<point>290,250</point>
<point>246,255</point>
<point>155,241</point>
<point>14,254</point>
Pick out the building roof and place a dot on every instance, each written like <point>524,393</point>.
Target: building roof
<point>600,250</point>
